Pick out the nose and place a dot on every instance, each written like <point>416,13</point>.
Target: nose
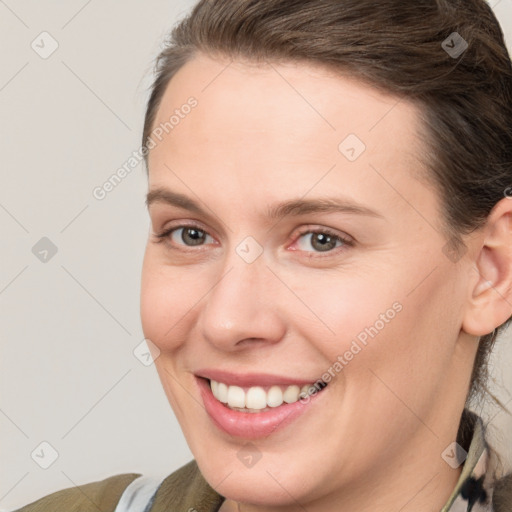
<point>243,307</point>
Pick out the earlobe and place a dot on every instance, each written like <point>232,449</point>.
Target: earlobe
<point>490,293</point>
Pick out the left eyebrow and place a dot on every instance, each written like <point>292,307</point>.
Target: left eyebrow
<point>298,207</point>
<point>294,207</point>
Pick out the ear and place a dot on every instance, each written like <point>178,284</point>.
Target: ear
<point>490,293</point>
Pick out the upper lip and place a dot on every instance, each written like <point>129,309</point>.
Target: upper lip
<point>250,379</point>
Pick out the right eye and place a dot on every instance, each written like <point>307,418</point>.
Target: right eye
<point>187,235</point>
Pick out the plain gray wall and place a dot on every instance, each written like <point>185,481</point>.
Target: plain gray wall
<point>69,325</point>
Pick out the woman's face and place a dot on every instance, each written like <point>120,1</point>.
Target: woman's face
<point>312,252</point>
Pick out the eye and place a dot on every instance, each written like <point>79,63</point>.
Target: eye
<point>189,235</point>
<point>322,240</point>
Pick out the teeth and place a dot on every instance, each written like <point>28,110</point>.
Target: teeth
<point>255,399</point>
<point>222,392</point>
<point>304,392</point>
<point>274,396</point>
<point>215,386</point>
<point>236,396</point>
<point>291,394</point>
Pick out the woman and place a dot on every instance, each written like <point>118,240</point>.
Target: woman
<point>330,257</point>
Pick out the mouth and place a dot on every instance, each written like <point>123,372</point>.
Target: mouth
<point>255,411</point>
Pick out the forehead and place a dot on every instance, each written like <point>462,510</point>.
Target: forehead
<point>286,100</point>
<point>283,124</point>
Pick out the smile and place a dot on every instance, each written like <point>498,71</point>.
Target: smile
<point>252,407</point>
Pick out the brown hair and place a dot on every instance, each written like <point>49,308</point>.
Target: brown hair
<point>401,48</point>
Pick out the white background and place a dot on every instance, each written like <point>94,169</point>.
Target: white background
<point>68,327</point>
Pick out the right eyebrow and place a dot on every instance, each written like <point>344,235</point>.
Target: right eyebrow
<point>164,195</point>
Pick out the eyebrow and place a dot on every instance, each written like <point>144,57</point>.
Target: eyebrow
<point>294,207</point>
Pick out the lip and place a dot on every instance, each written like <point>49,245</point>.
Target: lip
<point>252,425</point>
<point>250,379</point>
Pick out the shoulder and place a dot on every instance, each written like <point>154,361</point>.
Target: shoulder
<point>97,496</point>
<point>184,489</point>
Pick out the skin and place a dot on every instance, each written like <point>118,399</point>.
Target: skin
<point>262,134</point>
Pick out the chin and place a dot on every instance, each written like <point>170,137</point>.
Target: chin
<point>265,483</point>
<point>255,486</point>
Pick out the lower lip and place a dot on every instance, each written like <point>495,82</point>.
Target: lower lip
<point>251,425</point>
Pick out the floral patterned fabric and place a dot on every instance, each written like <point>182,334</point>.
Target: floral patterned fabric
<point>473,492</point>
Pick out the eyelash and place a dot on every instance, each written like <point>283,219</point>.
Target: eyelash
<point>346,242</point>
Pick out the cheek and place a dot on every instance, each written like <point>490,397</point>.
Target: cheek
<point>413,354</point>
<point>345,306</point>
<point>390,318</point>
<point>164,302</point>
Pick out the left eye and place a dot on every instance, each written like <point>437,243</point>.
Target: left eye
<point>321,241</point>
